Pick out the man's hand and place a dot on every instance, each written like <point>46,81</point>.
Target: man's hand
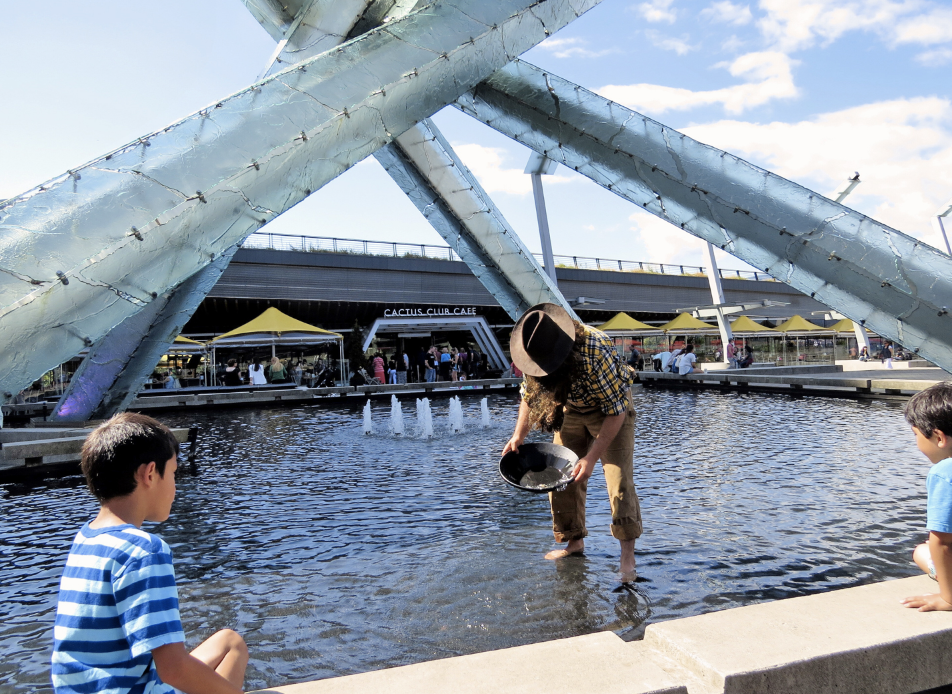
<point>927,603</point>
<point>583,470</point>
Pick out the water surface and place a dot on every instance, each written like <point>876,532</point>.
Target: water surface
<point>335,553</point>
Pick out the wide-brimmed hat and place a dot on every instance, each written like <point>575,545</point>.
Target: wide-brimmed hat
<point>542,339</point>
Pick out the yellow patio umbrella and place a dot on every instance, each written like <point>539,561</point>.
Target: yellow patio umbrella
<point>274,328</point>
<point>799,324</point>
<point>798,327</point>
<point>686,323</point>
<point>743,324</point>
<point>846,326</point>
<point>623,323</point>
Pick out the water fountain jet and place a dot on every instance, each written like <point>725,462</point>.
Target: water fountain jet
<point>368,419</point>
<point>424,418</point>
<point>456,415</point>
<point>396,416</point>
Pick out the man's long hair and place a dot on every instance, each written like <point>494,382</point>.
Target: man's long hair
<point>546,395</point>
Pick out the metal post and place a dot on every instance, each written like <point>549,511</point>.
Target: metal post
<point>941,225</point>
<point>717,294</point>
<point>536,168</point>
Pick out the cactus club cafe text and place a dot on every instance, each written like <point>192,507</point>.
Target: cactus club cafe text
<point>428,312</point>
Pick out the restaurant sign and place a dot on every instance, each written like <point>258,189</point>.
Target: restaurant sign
<point>428,312</point>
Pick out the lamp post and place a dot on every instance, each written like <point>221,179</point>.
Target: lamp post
<point>537,167</point>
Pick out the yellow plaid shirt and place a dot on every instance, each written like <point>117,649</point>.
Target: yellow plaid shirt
<point>605,377</point>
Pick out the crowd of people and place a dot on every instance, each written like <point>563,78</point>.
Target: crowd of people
<point>259,372</point>
<point>426,366</point>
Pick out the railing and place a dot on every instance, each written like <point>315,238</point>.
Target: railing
<point>322,244</point>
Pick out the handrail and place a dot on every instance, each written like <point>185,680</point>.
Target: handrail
<point>326,244</point>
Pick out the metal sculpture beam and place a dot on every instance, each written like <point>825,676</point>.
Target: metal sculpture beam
<point>421,162</point>
<point>425,166</point>
<point>156,211</point>
<point>118,364</point>
<point>891,283</point>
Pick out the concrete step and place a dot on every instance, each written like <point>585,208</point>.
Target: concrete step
<point>857,640</point>
<point>601,663</point>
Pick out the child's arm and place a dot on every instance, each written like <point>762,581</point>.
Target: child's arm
<point>185,672</point>
<point>940,547</point>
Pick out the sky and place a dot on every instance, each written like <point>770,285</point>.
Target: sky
<point>813,90</point>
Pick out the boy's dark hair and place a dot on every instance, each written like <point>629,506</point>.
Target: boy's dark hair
<point>931,409</point>
<point>116,449</point>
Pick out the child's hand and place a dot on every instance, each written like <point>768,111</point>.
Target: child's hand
<point>927,603</point>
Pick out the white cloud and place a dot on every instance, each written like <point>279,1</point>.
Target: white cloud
<point>790,25</point>
<point>488,165</point>
<point>728,13</point>
<point>670,43</point>
<point>902,149</point>
<point>768,76</point>
<point>732,44</point>
<point>927,29</point>
<point>664,242</point>
<point>657,11</point>
<point>935,57</point>
<point>572,48</point>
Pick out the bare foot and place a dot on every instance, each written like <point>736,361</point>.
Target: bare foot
<point>573,547</point>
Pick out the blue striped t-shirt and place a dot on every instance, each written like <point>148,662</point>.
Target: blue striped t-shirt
<point>117,602</point>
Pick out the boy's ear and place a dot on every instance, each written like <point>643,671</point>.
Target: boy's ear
<point>941,439</point>
<point>146,474</point>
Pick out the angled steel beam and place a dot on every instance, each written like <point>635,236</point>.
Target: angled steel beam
<point>893,284</point>
<point>427,169</point>
<point>422,163</point>
<point>119,362</point>
<point>83,252</point>
<point>117,365</point>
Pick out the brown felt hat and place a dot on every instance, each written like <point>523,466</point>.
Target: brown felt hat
<point>542,339</point>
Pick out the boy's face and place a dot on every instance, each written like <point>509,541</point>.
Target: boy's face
<point>164,492</point>
<point>936,447</point>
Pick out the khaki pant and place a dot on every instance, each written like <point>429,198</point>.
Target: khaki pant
<point>568,507</point>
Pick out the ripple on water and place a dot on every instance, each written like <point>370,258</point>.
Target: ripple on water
<point>335,552</point>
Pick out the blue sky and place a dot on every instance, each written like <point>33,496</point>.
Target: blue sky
<point>810,89</point>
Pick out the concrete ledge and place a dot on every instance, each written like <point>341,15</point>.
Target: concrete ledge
<point>854,640</point>
<point>819,382</point>
<point>851,641</point>
<point>31,452</point>
<point>601,663</point>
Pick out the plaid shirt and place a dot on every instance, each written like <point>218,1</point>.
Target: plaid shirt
<point>605,377</point>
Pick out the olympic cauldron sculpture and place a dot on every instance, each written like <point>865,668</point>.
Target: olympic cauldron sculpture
<point>115,256</point>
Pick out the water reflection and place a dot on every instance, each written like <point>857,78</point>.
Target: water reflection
<point>334,552</point>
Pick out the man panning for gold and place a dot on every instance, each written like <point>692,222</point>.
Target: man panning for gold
<point>576,386</point>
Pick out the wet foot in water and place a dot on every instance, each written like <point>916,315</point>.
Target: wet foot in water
<point>573,547</point>
<point>627,569</point>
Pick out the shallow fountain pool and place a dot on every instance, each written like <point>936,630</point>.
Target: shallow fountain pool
<point>335,552</point>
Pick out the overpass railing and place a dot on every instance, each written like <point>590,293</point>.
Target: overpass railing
<point>325,244</point>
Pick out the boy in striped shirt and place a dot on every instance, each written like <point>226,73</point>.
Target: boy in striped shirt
<point>117,626</point>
